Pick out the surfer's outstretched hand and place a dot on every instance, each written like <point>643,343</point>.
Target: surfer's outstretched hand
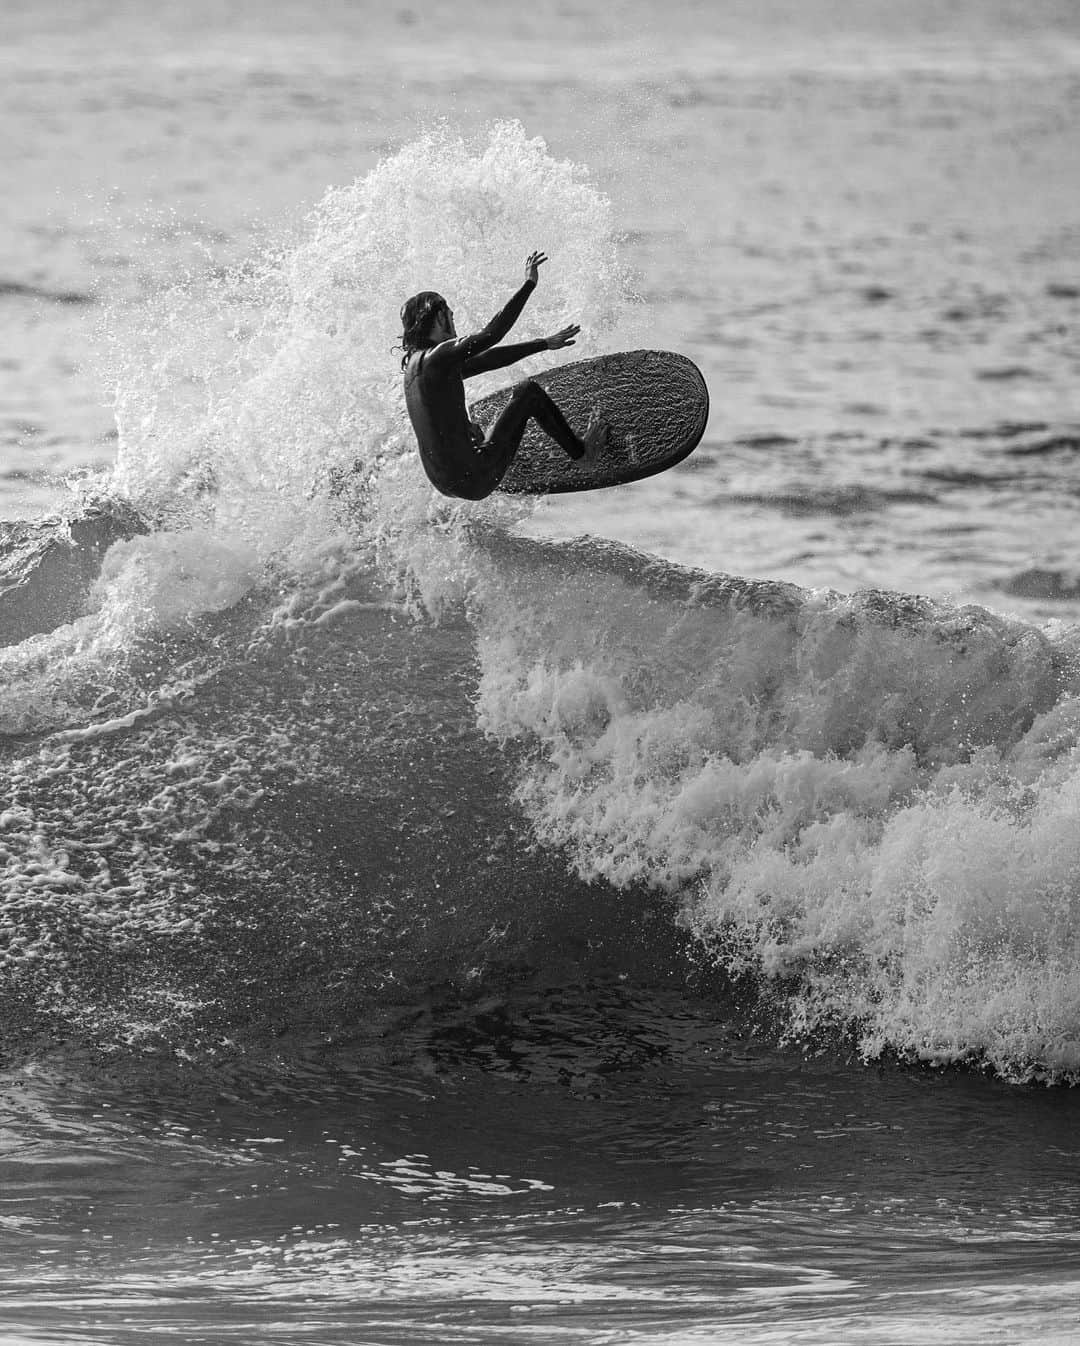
<point>562,338</point>
<point>533,263</point>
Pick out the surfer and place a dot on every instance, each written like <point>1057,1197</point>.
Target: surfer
<point>459,458</point>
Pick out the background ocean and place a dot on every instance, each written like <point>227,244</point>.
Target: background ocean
<point>651,915</point>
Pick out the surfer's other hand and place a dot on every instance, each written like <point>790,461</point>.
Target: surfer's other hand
<point>533,263</point>
<point>565,337</point>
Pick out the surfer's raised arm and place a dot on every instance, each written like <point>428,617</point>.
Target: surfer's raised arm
<point>501,356</point>
<point>461,349</point>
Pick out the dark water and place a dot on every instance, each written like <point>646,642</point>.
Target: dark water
<point>584,1161</point>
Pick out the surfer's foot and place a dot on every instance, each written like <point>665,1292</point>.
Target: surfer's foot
<point>596,437</point>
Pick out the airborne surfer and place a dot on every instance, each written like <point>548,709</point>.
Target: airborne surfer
<point>459,458</point>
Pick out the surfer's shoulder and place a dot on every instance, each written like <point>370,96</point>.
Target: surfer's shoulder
<point>417,362</point>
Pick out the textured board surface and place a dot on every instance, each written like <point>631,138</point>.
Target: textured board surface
<point>656,403</point>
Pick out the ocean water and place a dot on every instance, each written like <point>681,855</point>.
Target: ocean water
<point>645,916</point>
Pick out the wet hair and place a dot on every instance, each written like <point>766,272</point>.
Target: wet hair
<point>416,316</point>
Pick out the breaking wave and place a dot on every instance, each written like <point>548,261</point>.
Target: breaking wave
<point>287,736</point>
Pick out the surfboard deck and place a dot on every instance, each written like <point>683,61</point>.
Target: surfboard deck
<point>656,403</point>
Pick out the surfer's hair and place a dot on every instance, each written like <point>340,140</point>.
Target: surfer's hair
<point>416,316</point>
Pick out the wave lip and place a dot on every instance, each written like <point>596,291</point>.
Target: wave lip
<point>48,565</point>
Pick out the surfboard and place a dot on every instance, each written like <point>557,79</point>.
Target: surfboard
<point>655,402</point>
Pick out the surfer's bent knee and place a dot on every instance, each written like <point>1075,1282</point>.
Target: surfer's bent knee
<point>477,490</point>
<point>528,391</point>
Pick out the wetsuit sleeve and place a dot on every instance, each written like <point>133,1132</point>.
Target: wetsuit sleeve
<point>500,357</point>
<point>464,348</point>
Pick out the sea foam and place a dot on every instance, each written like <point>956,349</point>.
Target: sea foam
<point>867,801</point>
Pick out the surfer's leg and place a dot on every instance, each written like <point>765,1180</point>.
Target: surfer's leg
<point>528,403</point>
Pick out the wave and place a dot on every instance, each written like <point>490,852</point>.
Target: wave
<point>869,800</point>
<point>47,568</point>
<point>1063,441</point>
<point>836,500</point>
<point>261,817</point>
<point>18,289</point>
<point>313,799</point>
<point>1041,582</point>
<point>289,738</point>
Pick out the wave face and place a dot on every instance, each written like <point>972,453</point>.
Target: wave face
<point>867,801</point>
<point>290,738</point>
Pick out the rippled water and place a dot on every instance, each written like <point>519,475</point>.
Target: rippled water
<point>578,1162</point>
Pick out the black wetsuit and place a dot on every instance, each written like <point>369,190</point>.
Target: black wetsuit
<point>457,457</point>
